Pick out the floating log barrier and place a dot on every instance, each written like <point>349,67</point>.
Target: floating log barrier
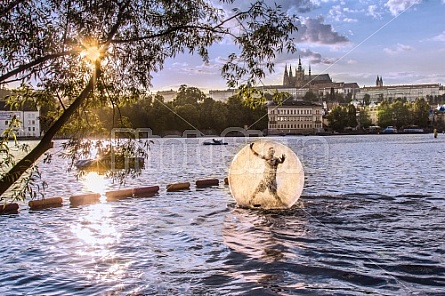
<point>119,194</point>
<point>178,186</point>
<point>83,199</point>
<point>226,181</point>
<point>145,191</point>
<point>11,208</point>
<point>45,203</point>
<point>207,183</point>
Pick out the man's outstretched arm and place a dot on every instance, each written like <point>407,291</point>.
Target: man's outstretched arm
<point>254,152</point>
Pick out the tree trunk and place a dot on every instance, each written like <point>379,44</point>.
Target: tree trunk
<point>46,142</point>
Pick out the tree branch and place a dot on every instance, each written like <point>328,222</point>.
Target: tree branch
<point>45,143</point>
<point>10,7</point>
<point>34,63</point>
<point>60,101</point>
<point>214,29</point>
<point>166,32</point>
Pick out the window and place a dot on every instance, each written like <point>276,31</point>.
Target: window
<point>6,122</point>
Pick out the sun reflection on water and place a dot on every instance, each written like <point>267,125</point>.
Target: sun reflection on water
<point>94,182</point>
<point>96,228</point>
<point>97,233</point>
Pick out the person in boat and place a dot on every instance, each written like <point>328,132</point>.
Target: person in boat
<point>269,180</point>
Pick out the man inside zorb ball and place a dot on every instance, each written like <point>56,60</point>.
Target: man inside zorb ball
<point>269,180</point>
<point>258,178</point>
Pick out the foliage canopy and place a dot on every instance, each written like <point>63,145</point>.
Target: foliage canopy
<point>90,53</point>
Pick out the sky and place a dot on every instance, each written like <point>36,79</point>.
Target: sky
<point>402,41</point>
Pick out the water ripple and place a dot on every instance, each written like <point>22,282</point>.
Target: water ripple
<point>370,222</point>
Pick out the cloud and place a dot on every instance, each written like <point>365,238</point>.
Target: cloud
<point>185,68</point>
<point>398,49</point>
<point>351,62</point>
<point>399,6</point>
<point>337,13</point>
<point>350,20</point>
<point>374,11</point>
<point>308,57</point>
<point>300,6</point>
<point>440,37</point>
<point>314,31</point>
<point>293,7</point>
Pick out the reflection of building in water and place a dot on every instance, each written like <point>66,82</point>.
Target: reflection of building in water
<point>294,117</point>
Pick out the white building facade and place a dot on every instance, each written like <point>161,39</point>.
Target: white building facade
<point>28,117</point>
<point>410,92</point>
<point>295,118</point>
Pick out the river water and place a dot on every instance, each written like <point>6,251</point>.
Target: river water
<point>371,221</point>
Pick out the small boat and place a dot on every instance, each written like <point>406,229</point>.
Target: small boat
<point>215,142</point>
<point>389,130</point>
<point>414,129</point>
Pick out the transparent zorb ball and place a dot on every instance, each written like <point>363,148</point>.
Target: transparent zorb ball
<point>267,175</point>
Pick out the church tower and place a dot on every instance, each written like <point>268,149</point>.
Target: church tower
<point>379,81</point>
<point>291,76</point>
<point>286,77</point>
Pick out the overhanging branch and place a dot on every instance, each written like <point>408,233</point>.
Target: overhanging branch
<point>25,67</point>
<point>11,6</point>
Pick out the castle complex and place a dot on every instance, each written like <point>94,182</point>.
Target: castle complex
<point>301,80</point>
<point>299,83</point>
<point>411,92</point>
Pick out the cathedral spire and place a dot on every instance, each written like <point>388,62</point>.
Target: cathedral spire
<point>285,77</point>
<point>299,64</point>
<point>379,81</point>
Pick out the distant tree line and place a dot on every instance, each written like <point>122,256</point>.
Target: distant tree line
<point>398,113</point>
<point>191,109</point>
<point>342,117</point>
<point>401,113</point>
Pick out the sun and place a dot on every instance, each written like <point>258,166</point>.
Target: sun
<point>92,53</point>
